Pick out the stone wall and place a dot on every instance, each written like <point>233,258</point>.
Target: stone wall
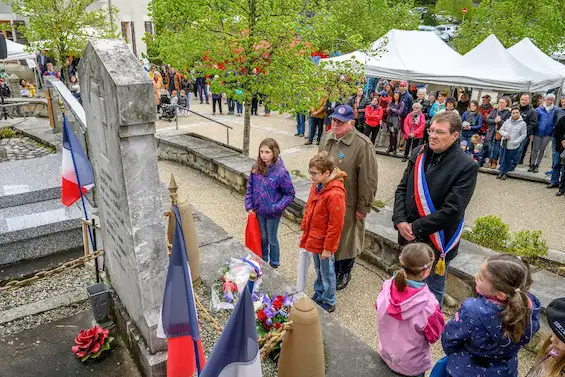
<point>381,247</point>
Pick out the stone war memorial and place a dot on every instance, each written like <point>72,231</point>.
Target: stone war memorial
<point>89,290</point>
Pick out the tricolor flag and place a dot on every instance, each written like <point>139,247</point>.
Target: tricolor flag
<point>77,171</point>
<point>179,320</point>
<point>236,353</point>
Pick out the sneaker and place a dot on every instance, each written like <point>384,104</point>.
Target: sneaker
<point>559,193</point>
<point>316,300</point>
<point>536,169</point>
<point>300,135</point>
<point>297,134</point>
<point>552,185</point>
<point>531,169</point>
<point>499,176</point>
<point>504,176</point>
<point>274,266</point>
<point>327,307</point>
<point>308,142</point>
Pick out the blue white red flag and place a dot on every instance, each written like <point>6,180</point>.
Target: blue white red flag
<point>179,319</point>
<point>236,353</point>
<point>77,171</point>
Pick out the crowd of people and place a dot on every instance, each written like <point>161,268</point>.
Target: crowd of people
<point>487,332</point>
<point>497,137</point>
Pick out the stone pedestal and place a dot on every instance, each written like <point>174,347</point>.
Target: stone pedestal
<point>14,82</point>
<point>302,351</point>
<point>116,94</point>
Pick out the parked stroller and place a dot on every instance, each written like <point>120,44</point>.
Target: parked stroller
<point>168,111</point>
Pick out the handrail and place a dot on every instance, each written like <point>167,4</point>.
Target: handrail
<point>228,128</point>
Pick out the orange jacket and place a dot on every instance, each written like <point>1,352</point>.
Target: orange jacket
<point>324,216</point>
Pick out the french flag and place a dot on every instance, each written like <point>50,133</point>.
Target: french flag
<point>179,320</point>
<point>77,171</point>
<point>236,353</point>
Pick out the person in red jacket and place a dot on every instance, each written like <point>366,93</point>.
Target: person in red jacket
<point>322,225</point>
<point>373,116</point>
<point>413,130</point>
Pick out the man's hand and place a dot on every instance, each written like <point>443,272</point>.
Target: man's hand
<point>507,137</point>
<point>531,138</point>
<point>497,119</point>
<point>326,254</point>
<point>563,143</point>
<point>360,215</point>
<point>405,230</point>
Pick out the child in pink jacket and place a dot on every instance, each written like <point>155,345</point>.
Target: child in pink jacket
<point>409,317</point>
<point>413,129</point>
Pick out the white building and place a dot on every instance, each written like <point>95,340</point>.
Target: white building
<point>132,22</point>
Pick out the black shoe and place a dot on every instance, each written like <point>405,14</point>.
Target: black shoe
<point>559,193</point>
<point>342,284</point>
<point>552,185</point>
<point>274,266</point>
<point>404,159</point>
<point>504,176</point>
<point>300,135</point>
<point>531,169</point>
<point>316,301</point>
<point>536,169</point>
<point>327,307</point>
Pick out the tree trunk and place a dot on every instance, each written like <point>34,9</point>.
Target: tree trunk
<point>246,128</point>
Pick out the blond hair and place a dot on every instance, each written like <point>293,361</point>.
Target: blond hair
<point>415,258</point>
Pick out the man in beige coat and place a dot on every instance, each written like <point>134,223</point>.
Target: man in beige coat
<point>354,154</point>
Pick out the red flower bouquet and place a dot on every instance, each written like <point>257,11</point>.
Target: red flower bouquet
<point>272,315</point>
<point>89,344</point>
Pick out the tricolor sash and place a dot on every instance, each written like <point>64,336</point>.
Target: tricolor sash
<point>426,207</point>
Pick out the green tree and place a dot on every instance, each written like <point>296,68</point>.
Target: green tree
<point>269,44</point>
<point>62,26</point>
<point>454,7</point>
<point>511,21</point>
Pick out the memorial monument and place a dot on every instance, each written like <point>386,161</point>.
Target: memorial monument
<point>118,100</point>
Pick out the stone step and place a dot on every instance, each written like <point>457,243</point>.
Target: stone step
<point>30,181</point>
<point>38,230</point>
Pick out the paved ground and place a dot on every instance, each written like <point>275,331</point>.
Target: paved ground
<point>354,305</point>
<point>521,204</point>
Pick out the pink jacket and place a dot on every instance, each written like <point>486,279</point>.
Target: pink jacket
<point>407,323</point>
<point>418,129</point>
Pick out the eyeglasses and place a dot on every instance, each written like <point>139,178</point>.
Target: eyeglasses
<point>432,131</point>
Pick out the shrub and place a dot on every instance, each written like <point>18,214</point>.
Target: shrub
<point>6,133</point>
<point>489,231</point>
<point>528,243</point>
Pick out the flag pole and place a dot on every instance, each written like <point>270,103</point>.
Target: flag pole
<point>66,130</point>
<point>185,260</point>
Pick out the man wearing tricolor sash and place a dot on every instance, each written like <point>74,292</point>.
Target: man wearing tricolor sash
<point>431,199</point>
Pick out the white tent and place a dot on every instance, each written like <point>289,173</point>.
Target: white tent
<point>491,63</point>
<point>17,51</point>
<point>528,54</point>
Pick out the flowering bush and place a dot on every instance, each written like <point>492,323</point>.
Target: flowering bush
<point>272,315</point>
<point>89,344</point>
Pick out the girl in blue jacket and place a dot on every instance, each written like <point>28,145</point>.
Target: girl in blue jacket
<point>484,337</point>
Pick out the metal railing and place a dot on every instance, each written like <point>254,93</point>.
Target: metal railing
<point>228,128</point>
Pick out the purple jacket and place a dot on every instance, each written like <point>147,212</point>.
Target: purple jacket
<point>269,195</point>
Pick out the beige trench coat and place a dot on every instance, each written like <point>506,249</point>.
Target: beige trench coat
<point>355,155</point>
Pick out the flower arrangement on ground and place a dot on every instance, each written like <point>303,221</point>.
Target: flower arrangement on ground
<point>234,278</point>
<point>89,344</point>
<point>271,315</point>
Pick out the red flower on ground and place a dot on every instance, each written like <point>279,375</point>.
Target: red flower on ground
<point>278,303</point>
<point>89,341</point>
<point>277,325</point>
<point>261,316</point>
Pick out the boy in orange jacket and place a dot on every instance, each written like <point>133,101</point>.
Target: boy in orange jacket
<point>322,225</point>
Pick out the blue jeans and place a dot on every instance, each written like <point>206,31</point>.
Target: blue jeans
<point>436,283</point>
<point>231,105</point>
<point>269,239</point>
<point>324,286</point>
<point>300,123</point>
<point>555,167</point>
<point>202,89</point>
<point>523,148</point>
<point>495,150</point>
<point>239,106</point>
<point>511,158</point>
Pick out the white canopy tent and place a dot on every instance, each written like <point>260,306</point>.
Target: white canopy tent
<point>491,63</point>
<point>528,54</point>
<point>17,51</point>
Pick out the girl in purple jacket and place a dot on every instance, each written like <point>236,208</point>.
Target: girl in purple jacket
<point>409,317</point>
<point>269,192</point>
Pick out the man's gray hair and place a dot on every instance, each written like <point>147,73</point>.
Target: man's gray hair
<point>451,117</point>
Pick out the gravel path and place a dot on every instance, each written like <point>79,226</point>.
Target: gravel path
<point>22,147</point>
